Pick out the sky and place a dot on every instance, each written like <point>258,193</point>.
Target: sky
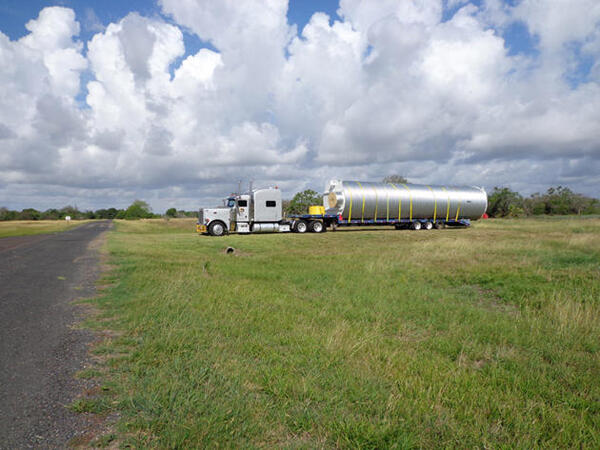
<point>176,101</point>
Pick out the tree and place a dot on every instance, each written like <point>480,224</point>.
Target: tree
<point>7,214</point>
<point>514,210</point>
<point>579,203</point>
<point>534,205</point>
<point>51,214</point>
<point>29,214</point>
<point>395,179</point>
<point>302,200</point>
<point>171,212</point>
<point>71,211</point>
<point>139,209</point>
<point>111,213</point>
<point>560,200</point>
<point>592,207</point>
<point>501,200</point>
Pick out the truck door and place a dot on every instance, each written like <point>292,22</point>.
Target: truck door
<point>243,208</point>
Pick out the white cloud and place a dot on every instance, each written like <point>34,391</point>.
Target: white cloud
<point>389,87</point>
<point>51,38</point>
<point>559,22</point>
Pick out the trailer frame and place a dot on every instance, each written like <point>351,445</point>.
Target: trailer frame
<point>334,221</point>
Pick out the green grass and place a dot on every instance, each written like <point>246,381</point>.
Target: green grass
<point>29,227</point>
<point>481,337</point>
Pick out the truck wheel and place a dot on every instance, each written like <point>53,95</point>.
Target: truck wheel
<point>438,225</point>
<point>316,226</point>
<point>301,227</point>
<point>416,225</point>
<point>428,225</point>
<point>216,229</point>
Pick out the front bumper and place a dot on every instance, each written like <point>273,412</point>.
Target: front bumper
<point>200,228</point>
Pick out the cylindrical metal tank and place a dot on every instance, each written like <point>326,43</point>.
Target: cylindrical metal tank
<point>358,200</point>
<point>265,227</point>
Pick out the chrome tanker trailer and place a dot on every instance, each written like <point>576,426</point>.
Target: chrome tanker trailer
<point>349,203</point>
<point>414,205</point>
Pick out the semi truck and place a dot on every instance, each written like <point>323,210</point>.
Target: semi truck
<point>348,203</point>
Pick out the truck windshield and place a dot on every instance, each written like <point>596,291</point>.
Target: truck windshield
<point>230,202</point>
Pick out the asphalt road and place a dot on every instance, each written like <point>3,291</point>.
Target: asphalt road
<point>40,350</point>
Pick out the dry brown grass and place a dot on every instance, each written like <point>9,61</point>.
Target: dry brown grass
<point>29,227</point>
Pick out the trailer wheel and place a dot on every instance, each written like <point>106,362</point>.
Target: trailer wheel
<point>428,225</point>
<point>216,229</point>
<point>301,227</point>
<point>438,225</point>
<point>316,226</point>
<point>416,225</point>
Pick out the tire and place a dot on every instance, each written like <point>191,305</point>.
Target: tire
<point>301,227</point>
<point>438,225</point>
<point>316,226</point>
<point>416,225</point>
<point>216,229</point>
<point>428,225</point>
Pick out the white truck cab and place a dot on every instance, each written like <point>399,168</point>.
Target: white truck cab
<point>257,211</point>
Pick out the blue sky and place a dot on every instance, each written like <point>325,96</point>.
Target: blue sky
<point>14,14</point>
<point>176,103</point>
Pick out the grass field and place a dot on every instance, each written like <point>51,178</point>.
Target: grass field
<point>28,227</point>
<point>482,337</point>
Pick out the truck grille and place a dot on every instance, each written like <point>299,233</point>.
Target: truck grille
<point>201,216</point>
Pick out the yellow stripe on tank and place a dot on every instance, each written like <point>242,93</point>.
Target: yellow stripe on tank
<point>410,198</point>
<point>399,202</point>
<point>350,212</point>
<point>362,217</point>
<point>376,202</point>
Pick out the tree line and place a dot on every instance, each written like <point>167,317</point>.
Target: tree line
<point>139,209</point>
<point>504,202</point>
